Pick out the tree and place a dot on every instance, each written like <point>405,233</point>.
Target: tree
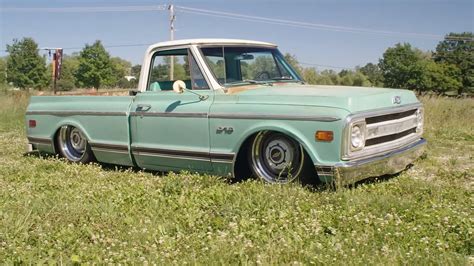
<point>135,71</point>
<point>332,76</point>
<point>398,64</point>
<point>353,78</point>
<point>95,67</point>
<point>458,49</point>
<point>431,76</point>
<point>310,75</point>
<point>293,61</point>
<point>25,67</point>
<point>373,74</point>
<point>3,71</point>
<point>69,66</point>
<point>121,68</point>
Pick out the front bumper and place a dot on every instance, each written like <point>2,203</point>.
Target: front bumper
<point>389,163</point>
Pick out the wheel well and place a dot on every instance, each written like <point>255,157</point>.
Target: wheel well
<point>241,166</point>
<point>242,169</point>
<point>55,141</point>
<point>56,146</point>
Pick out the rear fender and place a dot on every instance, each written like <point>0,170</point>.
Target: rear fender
<point>69,122</point>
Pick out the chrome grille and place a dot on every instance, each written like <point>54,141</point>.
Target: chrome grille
<point>380,131</point>
<point>381,118</point>
<point>385,130</point>
<point>388,138</point>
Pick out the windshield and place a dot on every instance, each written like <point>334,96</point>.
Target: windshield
<point>233,66</point>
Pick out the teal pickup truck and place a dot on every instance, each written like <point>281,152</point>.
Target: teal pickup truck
<point>233,108</point>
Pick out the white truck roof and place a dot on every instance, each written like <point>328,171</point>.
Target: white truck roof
<point>208,41</point>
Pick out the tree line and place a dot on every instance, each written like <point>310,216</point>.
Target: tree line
<point>447,69</point>
<point>92,67</point>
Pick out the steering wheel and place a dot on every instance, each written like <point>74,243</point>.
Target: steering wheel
<point>264,75</point>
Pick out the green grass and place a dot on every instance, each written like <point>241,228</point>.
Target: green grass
<point>55,212</point>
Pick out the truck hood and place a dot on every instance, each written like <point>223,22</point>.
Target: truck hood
<point>352,99</point>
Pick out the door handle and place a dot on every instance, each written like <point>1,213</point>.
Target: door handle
<point>143,107</point>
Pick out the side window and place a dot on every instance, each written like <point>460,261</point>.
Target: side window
<point>215,61</point>
<point>197,79</point>
<point>169,66</point>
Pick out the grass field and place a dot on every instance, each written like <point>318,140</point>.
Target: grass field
<point>55,212</point>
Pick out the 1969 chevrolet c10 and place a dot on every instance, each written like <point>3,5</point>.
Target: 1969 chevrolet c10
<point>233,108</point>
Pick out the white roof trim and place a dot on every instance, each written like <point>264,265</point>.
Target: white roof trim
<point>207,42</point>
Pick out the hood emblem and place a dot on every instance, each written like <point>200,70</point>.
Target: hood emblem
<point>397,100</point>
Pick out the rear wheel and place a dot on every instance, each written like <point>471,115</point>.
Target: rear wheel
<point>73,145</point>
<point>276,158</point>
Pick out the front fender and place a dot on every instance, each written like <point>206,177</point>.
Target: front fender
<point>298,122</point>
<point>283,128</point>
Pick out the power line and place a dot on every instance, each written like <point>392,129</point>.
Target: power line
<point>226,15</point>
<point>230,15</point>
<point>307,25</point>
<point>327,66</point>
<point>85,9</point>
<point>112,46</point>
<point>105,46</point>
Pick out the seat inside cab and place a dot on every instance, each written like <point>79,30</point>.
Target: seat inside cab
<point>166,85</point>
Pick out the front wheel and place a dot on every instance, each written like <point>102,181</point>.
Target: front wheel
<point>73,145</point>
<point>276,158</point>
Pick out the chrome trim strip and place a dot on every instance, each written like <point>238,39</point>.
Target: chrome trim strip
<point>221,161</point>
<point>222,156</point>
<point>36,140</point>
<point>69,113</point>
<point>374,150</point>
<point>178,154</point>
<point>109,146</point>
<point>104,147</point>
<point>384,111</point>
<point>191,154</point>
<point>170,156</point>
<point>420,142</point>
<point>182,157</point>
<point>275,117</point>
<point>165,114</point>
<point>108,150</point>
<point>238,116</point>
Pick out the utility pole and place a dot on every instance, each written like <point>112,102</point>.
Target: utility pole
<point>56,64</point>
<point>172,19</point>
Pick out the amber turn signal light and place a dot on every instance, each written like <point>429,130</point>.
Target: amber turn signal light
<point>324,136</point>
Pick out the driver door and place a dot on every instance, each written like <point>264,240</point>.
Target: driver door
<point>170,131</point>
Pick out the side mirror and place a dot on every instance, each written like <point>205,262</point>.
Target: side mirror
<point>132,92</point>
<point>179,86</point>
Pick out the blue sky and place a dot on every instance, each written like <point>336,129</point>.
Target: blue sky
<point>317,46</point>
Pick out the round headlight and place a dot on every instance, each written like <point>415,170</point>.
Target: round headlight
<point>356,137</point>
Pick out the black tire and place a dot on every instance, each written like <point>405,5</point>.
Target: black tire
<point>73,145</point>
<point>277,158</point>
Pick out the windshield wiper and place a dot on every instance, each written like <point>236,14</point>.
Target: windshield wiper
<point>283,78</point>
<point>289,79</point>
<point>252,81</point>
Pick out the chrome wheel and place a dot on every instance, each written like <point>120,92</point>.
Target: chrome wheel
<point>72,143</point>
<point>276,158</point>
